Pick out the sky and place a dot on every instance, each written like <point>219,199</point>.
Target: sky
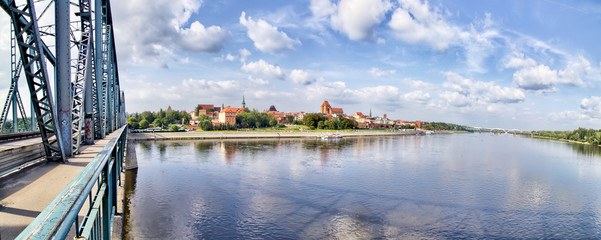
<point>510,64</point>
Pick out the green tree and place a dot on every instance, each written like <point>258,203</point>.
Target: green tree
<point>272,121</point>
<point>157,123</point>
<point>312,119</point>
<point>147,115</point>
<point>197,109</point>
<point>205,122</point>
<point>133,122</point>
<point>144,124</point>
<point>174,128</point>
<point>320,125</point>
<point>290,118</point>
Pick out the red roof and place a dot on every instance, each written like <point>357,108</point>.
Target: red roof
<point>337,110</point>
<point>234,110</point>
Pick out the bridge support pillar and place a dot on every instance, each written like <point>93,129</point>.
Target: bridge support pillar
<point>63,75</point>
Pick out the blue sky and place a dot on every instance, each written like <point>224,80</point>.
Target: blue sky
<point>510,64</point>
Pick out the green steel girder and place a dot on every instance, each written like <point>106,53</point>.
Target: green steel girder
<point>31,51</point>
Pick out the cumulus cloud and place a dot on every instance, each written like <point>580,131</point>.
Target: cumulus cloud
<point>358,18</point>
<point>519,61</point>
<point>301,77</point>
<point>542,78</point>
<point>265,69</point>
<point>413,22</point>
<point>140,41</point>
<point>388,97</point>
<point>455,99</point>
<point>575,71</point>
<point>142,93</point>
<point>417,96</point>
<point>591,106</point>
<point>478,92</point>
<point>201,39</point>
<point>322,9</point>
<point>376,72</point>
<point>539,78</point>
<point>266,37</point>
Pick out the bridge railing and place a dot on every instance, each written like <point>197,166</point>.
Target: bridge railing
<point>97,184</point>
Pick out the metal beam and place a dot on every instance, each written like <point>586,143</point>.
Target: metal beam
<point>62,72</point>
<point>83,72</point>
<point>34,65</point>
<point>99,117</point>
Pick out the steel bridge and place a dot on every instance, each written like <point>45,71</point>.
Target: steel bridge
<point>65,52</point>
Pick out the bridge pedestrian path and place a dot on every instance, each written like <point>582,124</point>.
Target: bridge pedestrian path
<point>24,194</point>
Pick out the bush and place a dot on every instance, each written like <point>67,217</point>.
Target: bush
<point>144,124</point>
<point>174,128</point>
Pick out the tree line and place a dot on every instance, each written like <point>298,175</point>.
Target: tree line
<point>443,126</point>
<point>318,121</point>
<point>160,119</point>
<point>591,136</point>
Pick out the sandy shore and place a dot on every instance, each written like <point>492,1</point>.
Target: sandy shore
<point>255,134</point>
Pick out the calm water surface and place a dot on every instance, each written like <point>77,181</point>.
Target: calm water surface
<point>438,186</point>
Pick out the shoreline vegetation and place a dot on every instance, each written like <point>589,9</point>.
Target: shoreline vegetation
<point>580,135</point>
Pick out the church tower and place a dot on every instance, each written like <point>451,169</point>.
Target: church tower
<point>243,103</point>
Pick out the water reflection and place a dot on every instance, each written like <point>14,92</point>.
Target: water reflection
<point>442,186</point>
<point>586,149</point>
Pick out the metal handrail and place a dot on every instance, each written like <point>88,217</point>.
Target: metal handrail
<point>56,220</point>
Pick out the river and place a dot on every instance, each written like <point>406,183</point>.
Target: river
<point>434,187</point>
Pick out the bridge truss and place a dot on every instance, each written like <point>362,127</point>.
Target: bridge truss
<point>49,39</point>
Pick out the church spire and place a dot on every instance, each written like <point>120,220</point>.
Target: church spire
<point>369,112</point>
<point>243,102</point>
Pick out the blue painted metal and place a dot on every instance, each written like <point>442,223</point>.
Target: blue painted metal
<point>97,183</point>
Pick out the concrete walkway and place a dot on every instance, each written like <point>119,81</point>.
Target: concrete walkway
<point>24,194</point>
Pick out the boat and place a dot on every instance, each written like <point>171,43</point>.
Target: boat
<point>331,136</point>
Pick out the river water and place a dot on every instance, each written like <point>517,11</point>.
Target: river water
<point>433,187</point>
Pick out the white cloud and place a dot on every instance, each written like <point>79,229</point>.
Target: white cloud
<point>575,71</point>
<point>519,61</point>
<point>265,69</point>
<point>142,42</point>
<point>257,81</point>
<point>141,93</point>
<point>322,9</point>
<point>376,72</point>
<point>570,116</point>
<point>201,39</point>
<point>244,53</point>
<point>417,84</point>
<point>301,77</point>
<point>266,94</point>
<point>591,106</point>
<point>387,97</point>
<point>413,22</point>
<point>230,57</point>
<point>358,18</point>
<point>540,78</point>
<point>417,96</point>
<point>479,43</point>
<point>479,92</point>
<point>266,37</point>
<point>455,99</point>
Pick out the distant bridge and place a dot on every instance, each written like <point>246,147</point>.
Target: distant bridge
<point>497,130</point>
<point>65,52</point>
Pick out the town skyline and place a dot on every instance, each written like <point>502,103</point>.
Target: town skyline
<point>511,64</point>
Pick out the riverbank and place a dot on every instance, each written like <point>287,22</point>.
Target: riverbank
<point>159,136</point>
<point>563,140</point>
